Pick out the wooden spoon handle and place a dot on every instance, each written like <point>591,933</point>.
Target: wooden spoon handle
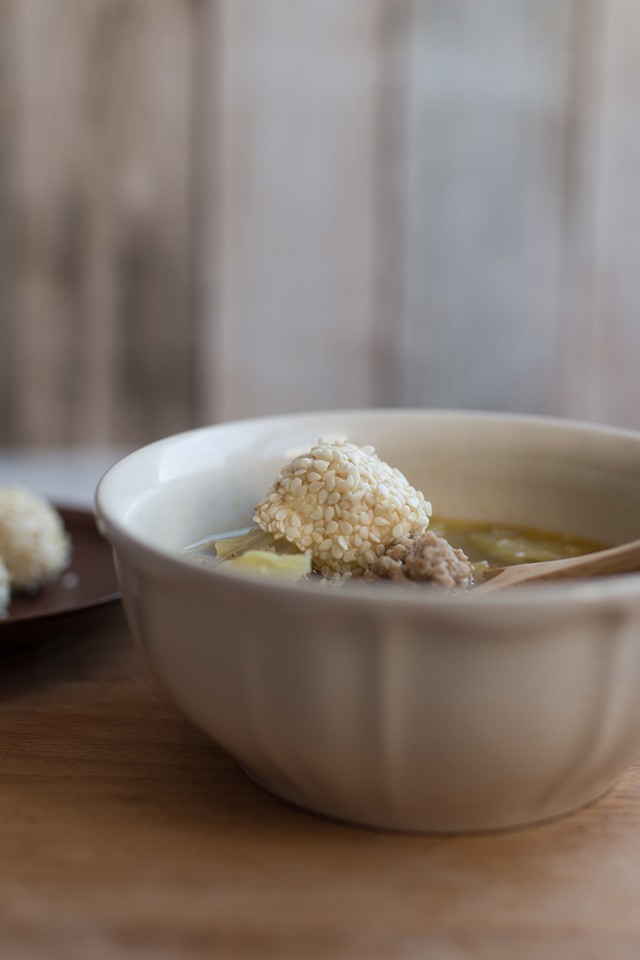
<point>622,559</point>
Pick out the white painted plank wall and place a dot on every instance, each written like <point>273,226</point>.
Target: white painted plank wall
<point>95,209</point>
<point>603,249</point>
<point>487,92</point>
<point>428,203</point>
<point>292,190</point>
<point>219,208</point>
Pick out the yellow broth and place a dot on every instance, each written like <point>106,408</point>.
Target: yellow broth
<point>501,545</point>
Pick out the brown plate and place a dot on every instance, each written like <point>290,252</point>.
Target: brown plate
<point>89,582</point>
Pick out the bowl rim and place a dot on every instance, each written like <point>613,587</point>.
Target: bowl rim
<point>408,597</point>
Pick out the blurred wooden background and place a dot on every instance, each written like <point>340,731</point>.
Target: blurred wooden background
<point>219,208</point>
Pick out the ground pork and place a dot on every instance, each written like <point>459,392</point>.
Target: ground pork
<point>423,557</point>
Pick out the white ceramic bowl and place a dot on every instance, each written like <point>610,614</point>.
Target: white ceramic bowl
<point>385,706</point>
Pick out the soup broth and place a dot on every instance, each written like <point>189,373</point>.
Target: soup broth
<point>498,545</point>
<point>486,545</point>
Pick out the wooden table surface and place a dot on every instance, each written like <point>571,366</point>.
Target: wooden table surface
<point>125,833</point>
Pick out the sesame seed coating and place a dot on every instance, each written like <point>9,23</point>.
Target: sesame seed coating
<point>34,545</point>
<point>344,504</point>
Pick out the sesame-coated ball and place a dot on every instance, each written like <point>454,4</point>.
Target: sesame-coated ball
<point>342,504</point>
<point>34,545</point>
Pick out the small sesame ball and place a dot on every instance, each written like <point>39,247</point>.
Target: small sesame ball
<point>344,504</point>
<point>34,545</point>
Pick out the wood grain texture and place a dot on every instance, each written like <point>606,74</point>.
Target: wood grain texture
<point>494,149</point>
<point>219,208</point>
<point>9,384</point>
<point>601,283</point>
<point>292,196</point>
<point>124,834</point>
<point>100,175</point>
<point>487,90</point>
